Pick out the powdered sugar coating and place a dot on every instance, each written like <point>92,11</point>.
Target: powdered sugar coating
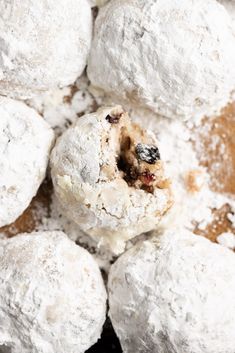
<point>43,44</point>
<point>98,2</point>
<point>175,57</point>
<point>174,293</point>
<point>230,7</point>
<point>90,187</point>
<point>227,239</point>
<point>52,296</point>
<point>25,143</point>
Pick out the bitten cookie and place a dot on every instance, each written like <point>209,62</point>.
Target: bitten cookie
<point>174,57</point>
<point>43,44</point>
<point>174,293</point>
<point>25,144</point>
<point>52,296</point>
<point>108,177</point>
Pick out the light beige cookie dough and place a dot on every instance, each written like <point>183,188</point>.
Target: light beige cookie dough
<point>174,57</point>
<point>52,296</point>
<point>43,44</point>
<point>108,177</point>
<point>174,293</point>
<point>25,144</point>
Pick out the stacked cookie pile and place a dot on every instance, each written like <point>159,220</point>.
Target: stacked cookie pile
<point>151,70</point>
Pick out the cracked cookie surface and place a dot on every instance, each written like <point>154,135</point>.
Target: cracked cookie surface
<point>105,182</point>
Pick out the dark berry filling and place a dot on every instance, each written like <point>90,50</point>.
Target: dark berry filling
<point>130,163</point>
<point>147,177</point>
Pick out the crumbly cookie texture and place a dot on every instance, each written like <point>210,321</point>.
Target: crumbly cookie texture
<point>109,178</point>
<point>174,57</point>
<point>43,44</point>
<point>174,293</point>
<point>52,296</point>
<point>25,144</point>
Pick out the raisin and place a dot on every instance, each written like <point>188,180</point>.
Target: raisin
<point>147,153</point>
<point>113,119</point>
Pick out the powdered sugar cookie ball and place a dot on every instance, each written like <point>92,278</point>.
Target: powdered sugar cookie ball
<point>174,293</point>
<point>52,296</point>
<point>98,2</point>
<point>230,7</point>
<point>25,144</point>
<point>43,44</point>
<point>174,57</point>
<point>109,178</point>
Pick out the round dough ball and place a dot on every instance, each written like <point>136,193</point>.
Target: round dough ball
<point>174,57</point>
<point>52,296</point>
<point>25,144</point>
<point>174,293</point>
<point>109,178</point>
<point>98,2</point>
<point>43,44</point>
<point>230,7</point>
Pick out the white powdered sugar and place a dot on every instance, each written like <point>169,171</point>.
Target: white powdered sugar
<point>43,44</point>
<point>25,144</point>
<point>174,293</point>
<point>61,107</point>
<point>58,221</point>
<point>52,296</point>
<point>91,187</point>
<point>98,2</point>
<point>227,239</point>
<point>174,57</point>
<point>230,7</point>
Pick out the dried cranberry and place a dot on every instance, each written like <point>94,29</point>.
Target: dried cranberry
<point>147,177</point>
<point>147,153</point>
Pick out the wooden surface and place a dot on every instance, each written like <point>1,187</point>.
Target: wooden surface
<point>220,163</point>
